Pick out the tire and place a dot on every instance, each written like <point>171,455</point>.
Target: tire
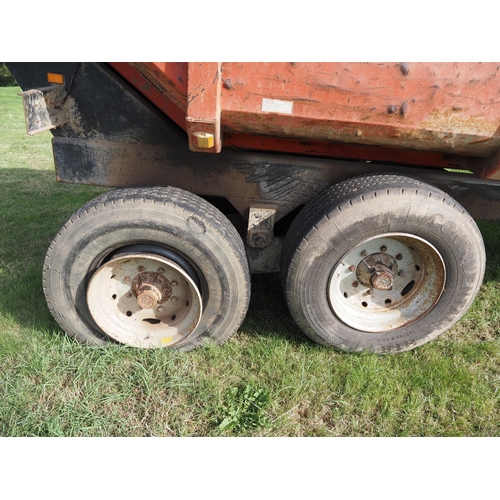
<point>131,253</point>
<point>381,263</point>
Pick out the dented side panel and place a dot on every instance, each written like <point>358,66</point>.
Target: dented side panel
<point>449,108</point>
<point>443,107</point>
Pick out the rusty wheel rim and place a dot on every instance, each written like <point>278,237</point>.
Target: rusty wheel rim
<point>386,283</point>
<point>144,300</point>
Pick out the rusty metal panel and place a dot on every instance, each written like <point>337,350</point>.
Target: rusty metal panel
<point>443,107</point>
<point>432,114</point>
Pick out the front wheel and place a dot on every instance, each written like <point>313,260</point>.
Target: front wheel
<point>150,268</point>
<point>381,263</point>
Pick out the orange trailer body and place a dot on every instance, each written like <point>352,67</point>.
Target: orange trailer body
<point>441,115</point>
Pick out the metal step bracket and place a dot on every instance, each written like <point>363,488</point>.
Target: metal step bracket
<point>260,227</point>
<point>43,108</point>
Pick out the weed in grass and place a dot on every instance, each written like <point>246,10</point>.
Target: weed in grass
<point>245,408</point>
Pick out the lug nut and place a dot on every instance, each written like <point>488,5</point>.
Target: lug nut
<point>127,279</point>
<point>383,248</point>
<point>363,253</point>
<point>352,269</point>
<point>355,284</point>
<point>174,283</point>
<point>401,273</point>
<point>399,256</point>
<point>161,270</point>
<point>141,269</point>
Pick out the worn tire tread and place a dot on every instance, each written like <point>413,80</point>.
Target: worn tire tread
<point>169,198</point>
<point>338,202</point>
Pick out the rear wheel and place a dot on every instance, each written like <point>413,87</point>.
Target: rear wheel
<point>148,267</point>
<point>381,263</point>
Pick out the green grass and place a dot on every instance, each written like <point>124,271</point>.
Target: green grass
<point>52,386</point>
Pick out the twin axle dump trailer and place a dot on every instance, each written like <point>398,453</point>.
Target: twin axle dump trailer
<point>358,182</point>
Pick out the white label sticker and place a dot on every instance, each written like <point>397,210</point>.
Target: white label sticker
<point>277,106</point>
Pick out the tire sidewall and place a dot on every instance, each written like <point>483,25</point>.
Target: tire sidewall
<point>451,233</point>
<point>91,235</point>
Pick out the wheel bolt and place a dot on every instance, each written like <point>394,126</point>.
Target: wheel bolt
<point>174,283</point>
<point>161,270</point>
<point>174,299</point>
<point>352,269</point>
<point>399,256</point>
<point>383,248</point>
<point>363,253</point>
<point>141,269</point>
<point>127,279</point>
<point>401,273</point>
<point>369,292</point>
<point>355,284</point>
<point>128,295</point>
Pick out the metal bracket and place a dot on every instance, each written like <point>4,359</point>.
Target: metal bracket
<point>265,260</point>
<point>260,227</point>
<point>43,108</point>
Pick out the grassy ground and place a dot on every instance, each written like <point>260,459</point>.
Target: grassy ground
<point>52,386</point>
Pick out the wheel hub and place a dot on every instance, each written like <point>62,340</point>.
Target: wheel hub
<point>145,300</point>
<point>377,270</point>
<point>382,279</point>
<point>150,289</point>
<point>386,282</point>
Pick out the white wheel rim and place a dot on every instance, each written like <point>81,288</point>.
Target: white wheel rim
<point>415,283</point>
<point>171,302</point>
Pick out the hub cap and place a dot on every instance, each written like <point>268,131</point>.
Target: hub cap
<point>386,283</point>
<point>144,300</point>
